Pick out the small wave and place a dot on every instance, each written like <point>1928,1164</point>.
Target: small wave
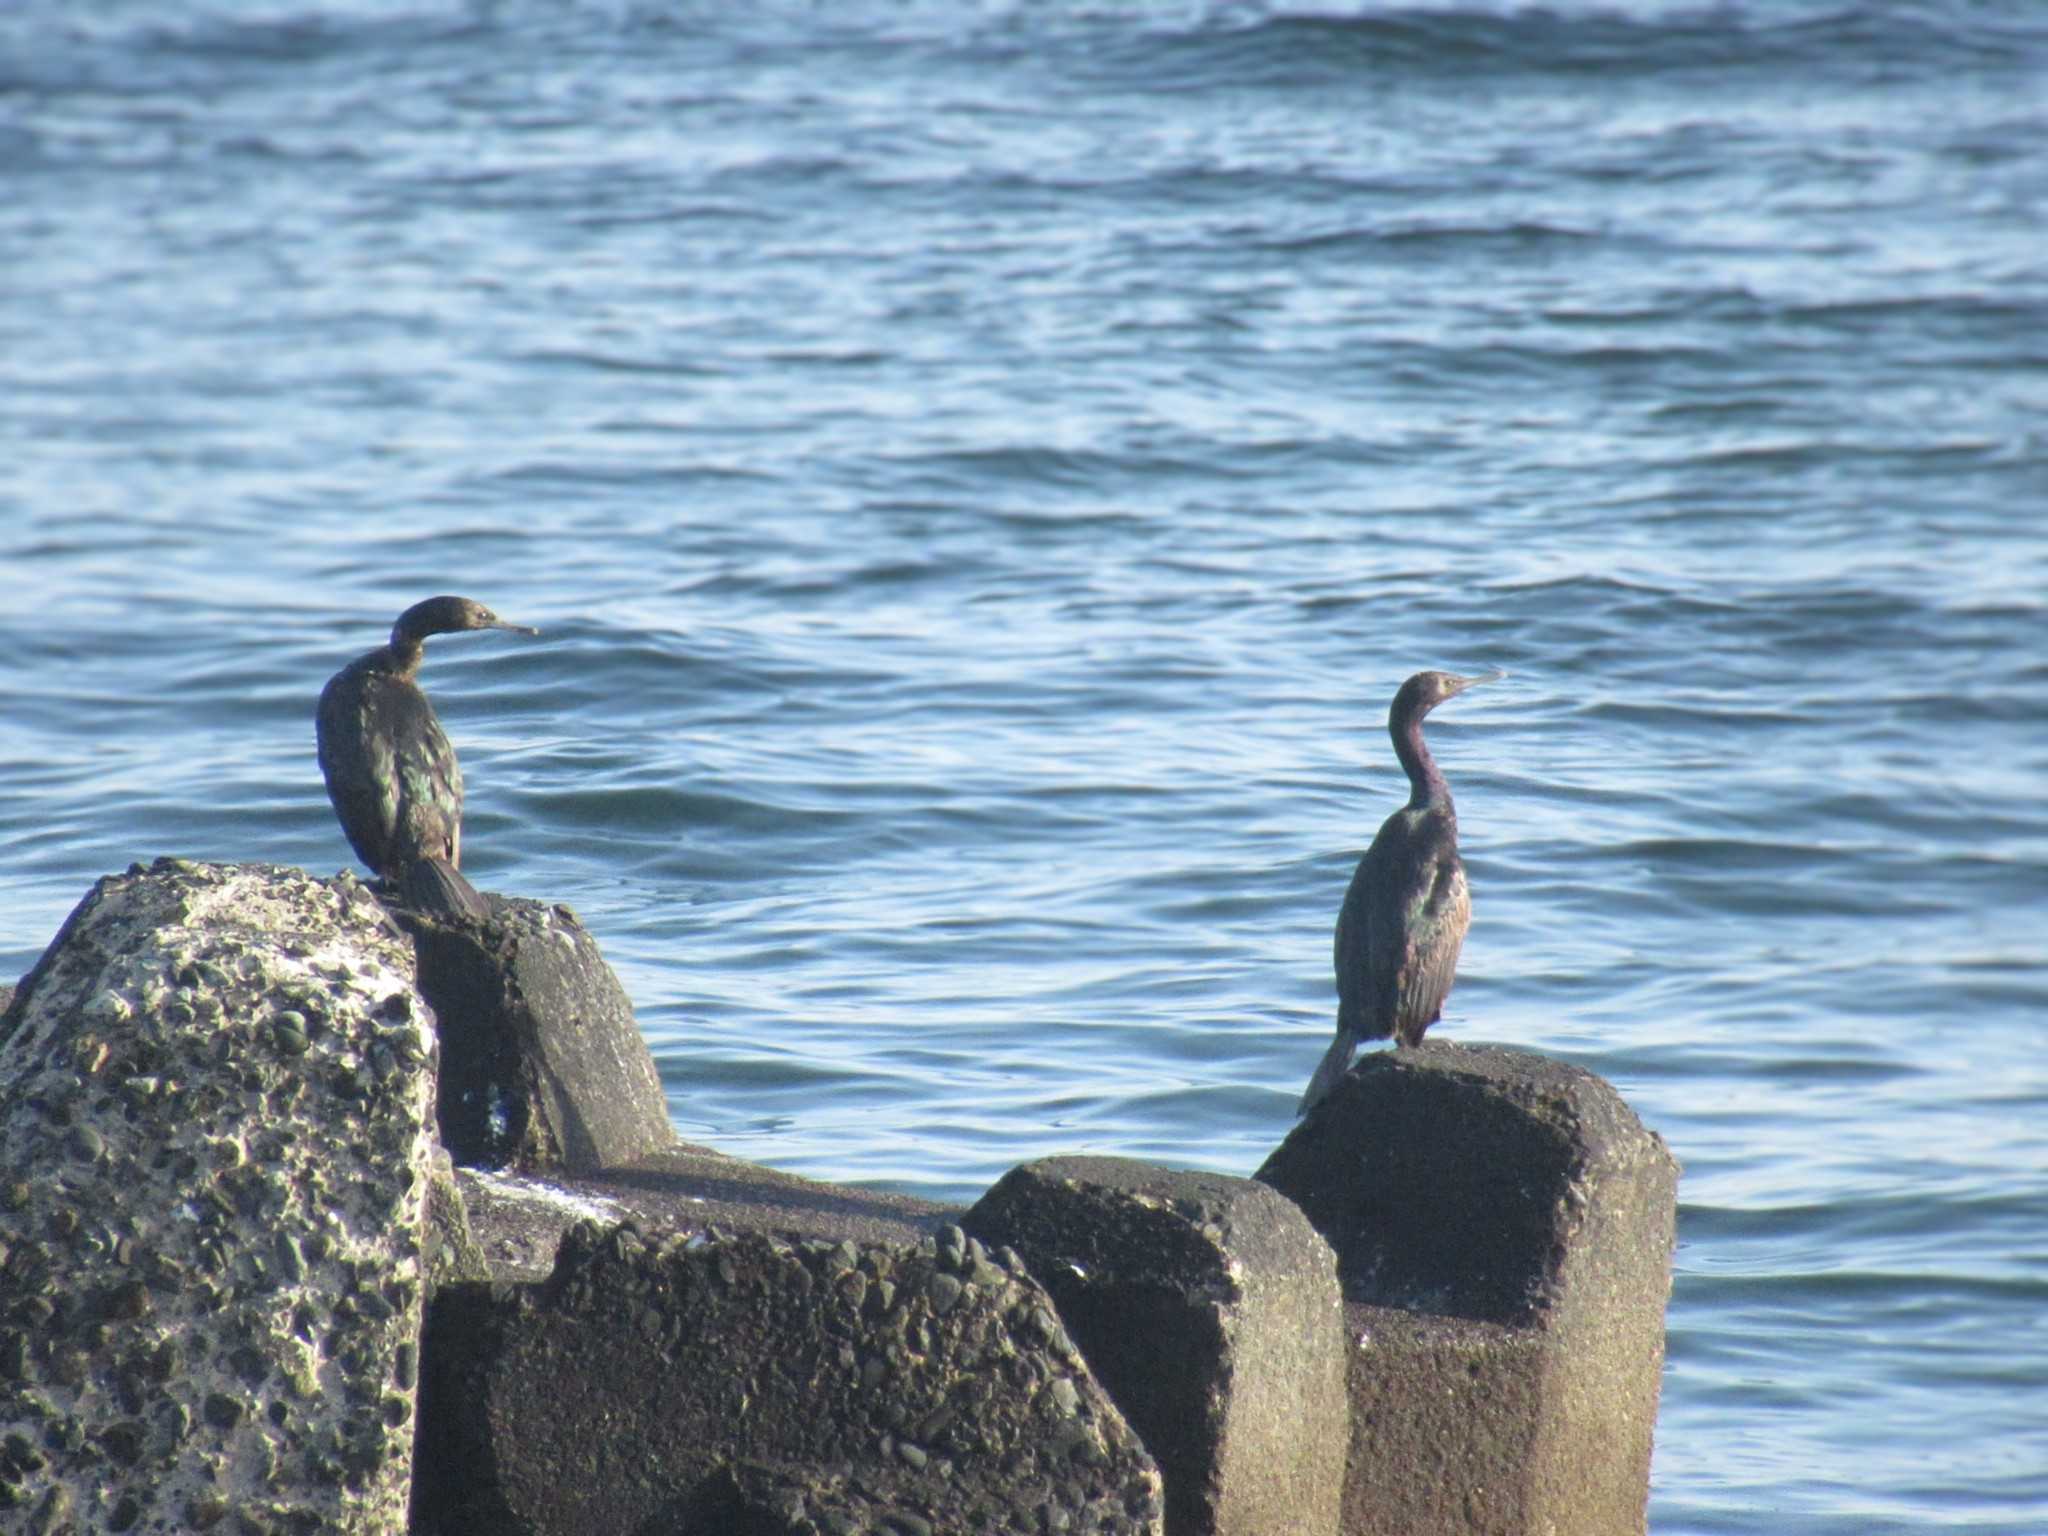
<point>1294,46</point>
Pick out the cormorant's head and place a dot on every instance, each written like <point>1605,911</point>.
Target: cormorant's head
<point>1425,690</point>
<point>446,616</point>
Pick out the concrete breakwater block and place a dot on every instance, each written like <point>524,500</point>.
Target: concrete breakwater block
<point>1208,1308</point>
<point>215,1098</point>
<point>542,1063</point>
<point>223,1221</point>
<point>1503,1226</point>
<point>719,1384</point>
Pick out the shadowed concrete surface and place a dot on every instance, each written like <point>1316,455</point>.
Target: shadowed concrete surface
<point>704,1385</point>
<point>543,1064</point>
<point>1503,1226</point>
<point>1208,1307</point>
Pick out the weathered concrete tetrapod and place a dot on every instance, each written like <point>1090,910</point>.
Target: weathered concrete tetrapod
<point>1209,1310</point>
<point>215,1091</point>
<point>542,1063</point>
<point>1503,1226</point>
<point>707,1385</point>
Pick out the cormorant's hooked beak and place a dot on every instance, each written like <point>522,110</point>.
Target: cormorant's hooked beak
<point>1485,677</point>
<point>517,629</point>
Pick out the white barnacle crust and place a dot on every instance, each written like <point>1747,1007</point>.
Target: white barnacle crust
<point>228,1238</point>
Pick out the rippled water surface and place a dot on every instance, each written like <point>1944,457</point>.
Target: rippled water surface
<point>982,471</point>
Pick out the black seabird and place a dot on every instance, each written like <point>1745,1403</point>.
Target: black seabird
<point>390,770</point>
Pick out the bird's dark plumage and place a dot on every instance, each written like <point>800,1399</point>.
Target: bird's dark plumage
<point>390,770</point>
<point>1405,915</point>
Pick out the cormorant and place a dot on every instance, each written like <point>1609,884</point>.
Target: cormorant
<point>1405,916</point>
<point>389,768</point>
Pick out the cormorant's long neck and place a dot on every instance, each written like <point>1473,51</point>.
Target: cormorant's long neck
<point>1426,786</point>
<point>406,648</point>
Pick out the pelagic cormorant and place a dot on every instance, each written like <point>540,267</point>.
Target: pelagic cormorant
<point>1405,916</point>
<point>389,768</point>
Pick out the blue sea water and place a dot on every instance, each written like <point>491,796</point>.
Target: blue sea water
<point>982,470</point>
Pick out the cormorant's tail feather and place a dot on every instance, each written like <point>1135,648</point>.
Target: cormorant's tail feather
<point>436,888</point>
<point>1335,1063</point>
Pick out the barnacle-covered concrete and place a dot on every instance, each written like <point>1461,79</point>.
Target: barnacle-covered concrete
<point>216,1097</point>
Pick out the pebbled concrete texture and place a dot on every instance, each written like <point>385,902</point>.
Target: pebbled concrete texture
<point>1503,1226</point>
<point>1208,1307</point>
<point>215,1100</point>
<point>717,1383</point>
